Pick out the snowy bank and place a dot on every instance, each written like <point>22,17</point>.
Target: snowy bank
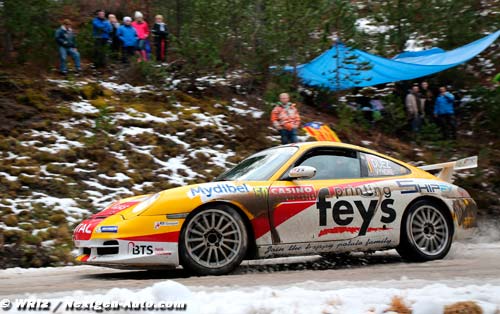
<point>432,298</point>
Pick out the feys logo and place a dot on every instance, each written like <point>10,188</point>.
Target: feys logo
<point>343,212</point>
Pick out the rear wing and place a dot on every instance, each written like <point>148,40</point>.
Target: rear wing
<point>447,169</point>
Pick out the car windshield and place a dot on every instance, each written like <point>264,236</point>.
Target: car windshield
<point>260,166</point>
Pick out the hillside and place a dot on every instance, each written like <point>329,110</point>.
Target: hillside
<point>69,147</point>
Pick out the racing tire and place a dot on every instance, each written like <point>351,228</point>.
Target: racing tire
<point>426,232</point>
<point>213,241</point>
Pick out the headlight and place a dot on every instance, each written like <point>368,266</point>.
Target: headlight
<point>146,203</point>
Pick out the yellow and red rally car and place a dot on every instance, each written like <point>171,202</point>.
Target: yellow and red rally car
<point>297,199</point>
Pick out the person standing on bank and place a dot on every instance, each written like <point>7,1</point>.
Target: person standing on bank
<point>128,37</point>
<point>115,41</point>
<point>160,34</point>
<point>101,30</point>
<point>444,112</point>
<point>66,45</point>
<point>412,103</point>
<point>286,119</point>
<point>427,101</point>
<point>142,29</point>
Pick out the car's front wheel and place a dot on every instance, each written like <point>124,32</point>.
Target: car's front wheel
<point>426,232</point>
<point>213,241</point>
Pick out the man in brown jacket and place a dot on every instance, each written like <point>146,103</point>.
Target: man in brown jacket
<point>286,119</point>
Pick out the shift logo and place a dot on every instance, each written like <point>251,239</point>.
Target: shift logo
<point>412,186</point>
<point>343,212</point>
<point>207,191</point>
<point>138,249</point>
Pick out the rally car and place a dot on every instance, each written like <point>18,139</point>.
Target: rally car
<point>297,199</point>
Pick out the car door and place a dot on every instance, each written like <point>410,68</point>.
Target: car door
<point>335,204</point>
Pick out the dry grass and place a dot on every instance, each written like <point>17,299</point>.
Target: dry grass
<point>467,307</point>
<point>398,306</point>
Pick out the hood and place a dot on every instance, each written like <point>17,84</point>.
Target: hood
<point>119,206</point>
<point>181,199</point>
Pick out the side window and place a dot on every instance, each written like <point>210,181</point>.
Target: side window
<point>378,167</point>
<point>334,166</point>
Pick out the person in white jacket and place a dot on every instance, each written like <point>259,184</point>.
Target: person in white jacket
<point>412,103</point>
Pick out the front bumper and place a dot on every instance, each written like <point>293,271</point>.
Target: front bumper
<point>120,253</point>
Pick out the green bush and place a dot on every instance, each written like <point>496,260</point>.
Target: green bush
<point>394,120</point>
<point>486,104</point>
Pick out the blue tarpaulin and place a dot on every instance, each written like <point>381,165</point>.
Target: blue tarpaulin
<point>342,67</point>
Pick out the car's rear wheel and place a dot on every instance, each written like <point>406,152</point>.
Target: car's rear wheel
<point>426,232</point>
<point>213,241</point>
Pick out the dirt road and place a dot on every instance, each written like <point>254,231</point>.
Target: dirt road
<point>466,264</point>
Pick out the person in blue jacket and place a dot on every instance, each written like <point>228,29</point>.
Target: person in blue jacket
<point>66,45</point>
<point>101,31</point>
<point>444,112</point>
<point>128,36</point>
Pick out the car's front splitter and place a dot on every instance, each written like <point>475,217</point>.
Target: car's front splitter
<point>117,252</point>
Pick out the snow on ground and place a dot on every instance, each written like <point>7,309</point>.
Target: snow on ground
<point>121,88</point>
<point>101,188</point>
<point>362,299</point>
<point>369,26</point>
<point>67,205</point>
<point>242,108</point>
<point>83,107</point>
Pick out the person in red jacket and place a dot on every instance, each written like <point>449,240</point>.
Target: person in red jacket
<point>142,29</point>
<point>286,119</point>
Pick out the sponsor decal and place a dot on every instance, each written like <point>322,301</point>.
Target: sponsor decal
<point>378,166</point>
<point>353,230</point>
<point>116,208</point>
<point>343,211</point>
<point>110,229</point>
<point>364,190</point>
<point>139,249</point>
<point>327,246</point>
<point>159,224</point>
<point>84,230</point>
<point>161,251</point>
<point>213,190</point>
<point>292,193</point>
<point>411,186</point>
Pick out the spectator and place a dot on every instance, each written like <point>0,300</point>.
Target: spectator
<point>128,37</point>
<point>427,100</point>
<point>66,45</point>
<point>115,41</point>
<point>286,119</point>
<point>101,30</point>
<point>412,103</point>
<point>445,113</point>
<point>142,29</point>
<point>160,34</point>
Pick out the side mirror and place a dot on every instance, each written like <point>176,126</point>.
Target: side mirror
<point>302,172</point>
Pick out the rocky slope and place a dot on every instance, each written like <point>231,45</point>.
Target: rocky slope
<point>69,147</point>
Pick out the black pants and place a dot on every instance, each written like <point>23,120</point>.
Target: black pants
<point>116,47</point>
<point>100,51</point>
<point>448,125</point>
<point>161,49</point>
<point>127,53</point>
